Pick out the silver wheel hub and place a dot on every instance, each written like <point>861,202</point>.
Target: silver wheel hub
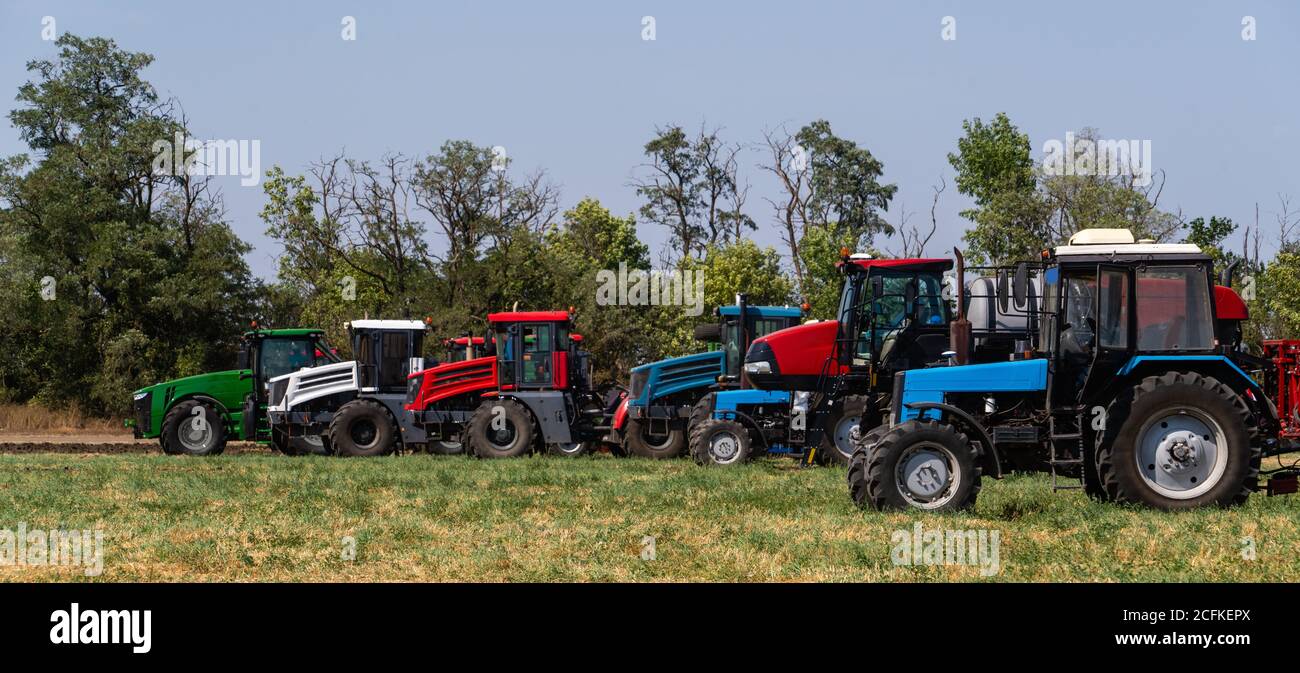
<point>724,446</point>
<point>1181,455</point>
<point>195,436</point>
<point>846,434</point>
<point>927,475</point>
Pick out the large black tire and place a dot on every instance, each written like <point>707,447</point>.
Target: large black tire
<point>570,450</point>
<point>840,433</point>
<point>639,442</point>
<point>363,428</point>
<point>874,471</point>
<point>1170,418</point>
<point>300,445</point>
<point>514,438</point>
<point>857,473</point>
<point>193,428</point>
<point>442,447</point>
<point>718,442</point>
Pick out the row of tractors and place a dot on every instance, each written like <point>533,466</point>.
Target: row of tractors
<point>1115,365</point>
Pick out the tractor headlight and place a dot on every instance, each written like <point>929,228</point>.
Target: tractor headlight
<point>758,368</point>
<point>139,396</point>
<point>637,385</point>
<point>413,385</point>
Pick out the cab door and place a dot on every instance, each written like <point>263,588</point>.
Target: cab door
<point>1115,327</point>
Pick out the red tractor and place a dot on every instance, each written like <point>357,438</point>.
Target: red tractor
<point>531,391</point>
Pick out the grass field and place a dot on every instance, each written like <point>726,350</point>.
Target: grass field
<point>265,517</point>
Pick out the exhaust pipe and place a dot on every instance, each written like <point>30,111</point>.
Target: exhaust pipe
<point>959,330</point>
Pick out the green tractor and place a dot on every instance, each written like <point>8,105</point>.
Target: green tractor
<point>197,415</point>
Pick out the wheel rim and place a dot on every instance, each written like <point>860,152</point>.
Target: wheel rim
<point>570,447</point>
<point>928,476</point>
<point>654,441</point>
<point>503,437</point>
<point>364,433</point>
<point>846,434</point>
<point>1181,454</point>
<point>313,440</point>
<point>195,438</point>
<point>724,447</point>
<point>449,446</point>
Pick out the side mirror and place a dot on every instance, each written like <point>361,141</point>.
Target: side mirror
<point>1003,292</point>
<point>1020,287</point>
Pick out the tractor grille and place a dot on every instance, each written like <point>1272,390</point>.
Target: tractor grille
<point>413,387</point>
<point>637,385</point>
<point>278,389</point>
<point>689,370</point>
<point>323,379</point>
<point>143,409</point>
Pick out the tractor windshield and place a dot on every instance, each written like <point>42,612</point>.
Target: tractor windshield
<point>887,309</point>
<point>1173,309</point>
<point>287,355</point>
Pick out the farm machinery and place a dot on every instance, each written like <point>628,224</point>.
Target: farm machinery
<point>654,418</point>
<point>532,391</point>
<point>1134,385</point>
<point>197,415</point>
<point>355,407</point>
<point>814,384</point>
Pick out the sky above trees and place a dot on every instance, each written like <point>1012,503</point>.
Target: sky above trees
<point>577,91</point>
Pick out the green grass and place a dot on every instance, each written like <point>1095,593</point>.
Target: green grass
<point>270,518</point>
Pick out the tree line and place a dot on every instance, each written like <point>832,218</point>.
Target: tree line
<point>118,275</point>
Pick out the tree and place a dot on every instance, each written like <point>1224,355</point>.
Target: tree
<point>122,273</point>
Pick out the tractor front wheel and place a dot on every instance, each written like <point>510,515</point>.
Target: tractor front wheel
<point>300,445</point>
<point>918,464</point>
<point>569,450</point>
<point>640,441</point>
<point>193,428</point>
<point>719,442</point>
<point>1178,441</point>
<point>443,447</point>
<point>363,428</point>
<point>500,429</point>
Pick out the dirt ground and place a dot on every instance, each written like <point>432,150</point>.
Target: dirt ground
<point>92,443</point>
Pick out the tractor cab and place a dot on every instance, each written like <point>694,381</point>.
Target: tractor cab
<point>266,354</point>
<point>387,352</point>
<point>535,350</point>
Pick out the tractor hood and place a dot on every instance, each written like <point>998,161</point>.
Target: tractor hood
<point>792,358</point>
<point>674,375</point>
<point>199,382</point>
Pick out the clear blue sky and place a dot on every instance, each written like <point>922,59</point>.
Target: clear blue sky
<point>573,88</point>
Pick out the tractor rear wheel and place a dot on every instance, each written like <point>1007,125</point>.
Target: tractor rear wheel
<point>840,435</point>
<point>193,428</point>
<point>300,445</point>
<point>639,441</point>
<point>500,429</point>
<point>918,464</point>
<point>1178,441</point>
<point>719,442</point>
<point>363,428</point>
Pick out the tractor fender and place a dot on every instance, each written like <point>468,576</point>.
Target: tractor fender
<point>547,408</point>
<point>206,399</point>
<point>988,450</point>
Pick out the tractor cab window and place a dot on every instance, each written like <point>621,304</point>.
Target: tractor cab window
<point>1173,309</point>
<point>395,349</point>
<point>765,326</point>
<point>504,347</point>
<point>285,356</point>
<point>536,357</point>
<point>1079,320</point>
<point>1112,302</point>
<point>891,313</point>
<point>731,342</point>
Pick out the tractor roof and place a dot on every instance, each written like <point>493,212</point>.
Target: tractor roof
<point>1120,242</point>
<point>291,332</point>
<point>529,316</point>
<point>763,311</point>
<point>387,324</point>
<point>905,264</point>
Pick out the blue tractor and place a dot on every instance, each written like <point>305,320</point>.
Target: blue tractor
<point>664,395</point>
<point>1131,387</point>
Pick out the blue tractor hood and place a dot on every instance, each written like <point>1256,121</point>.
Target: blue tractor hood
<point>675,375</point>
